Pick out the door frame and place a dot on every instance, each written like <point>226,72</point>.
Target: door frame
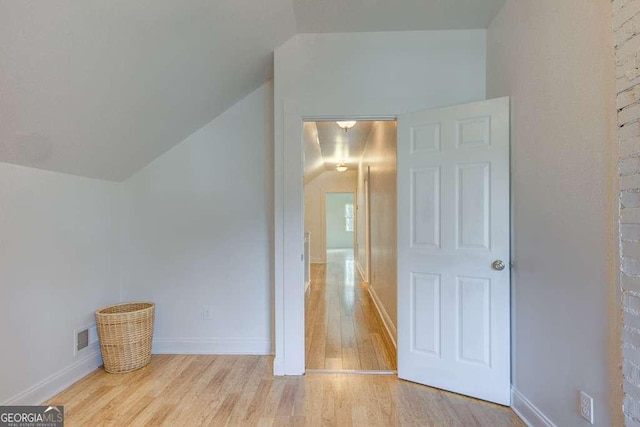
<point>289,316</point>
<point>288,276</point>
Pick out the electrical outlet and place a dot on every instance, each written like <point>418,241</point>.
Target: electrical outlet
<point>207,314</point>
<point>586,406</point>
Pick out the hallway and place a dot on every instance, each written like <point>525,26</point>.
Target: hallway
<point>342,328</point>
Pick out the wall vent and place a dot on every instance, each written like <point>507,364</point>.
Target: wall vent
<point>82,339</point>
<point>85,337</point>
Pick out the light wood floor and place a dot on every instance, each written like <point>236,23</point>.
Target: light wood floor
<point>181,390</point>
<point>342,327</point>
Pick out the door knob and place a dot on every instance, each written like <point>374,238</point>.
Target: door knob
<point>498,265</point>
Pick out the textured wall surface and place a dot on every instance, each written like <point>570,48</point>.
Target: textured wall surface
<point>626,25</point>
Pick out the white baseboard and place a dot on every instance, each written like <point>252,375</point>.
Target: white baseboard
<point>386,320</point>
<point>211,346</point>
<point>278,366</point>
<point>527,411</point>
<point>361,271</point>
<point>281,368</point>
<point>52,385</point>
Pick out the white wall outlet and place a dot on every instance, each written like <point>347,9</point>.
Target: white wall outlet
<point>586,406</point>
<point>207,314</point>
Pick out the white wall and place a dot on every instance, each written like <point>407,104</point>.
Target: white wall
<point>197,234</point>
<point>314,207</point>
<point>58,265</point>
<point>313,160</point>
<point>379,156</point>
<point>351,75</point>
<point>555,60</point>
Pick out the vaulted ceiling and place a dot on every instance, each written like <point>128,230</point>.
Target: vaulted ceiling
<point>100,88</point>
<point>341,16</point>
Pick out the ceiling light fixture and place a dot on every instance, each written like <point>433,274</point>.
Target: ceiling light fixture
<point>341,167</point>
<point>346,125</point>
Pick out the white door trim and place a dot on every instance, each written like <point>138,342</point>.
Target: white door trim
<point>289,240</point>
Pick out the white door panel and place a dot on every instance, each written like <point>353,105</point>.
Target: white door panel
<point>453,223</point>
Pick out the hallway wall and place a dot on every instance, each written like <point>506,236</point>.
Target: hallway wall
<point>380,156</point>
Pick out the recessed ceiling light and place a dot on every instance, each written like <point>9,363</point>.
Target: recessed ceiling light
<point>347,124</point>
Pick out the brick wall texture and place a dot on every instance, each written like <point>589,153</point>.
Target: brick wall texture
<point>626,27</point>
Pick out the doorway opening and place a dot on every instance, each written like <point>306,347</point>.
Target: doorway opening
<point>452,252</point>
<point>350,302</point>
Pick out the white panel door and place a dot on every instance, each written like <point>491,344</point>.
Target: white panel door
<point>453,224</point>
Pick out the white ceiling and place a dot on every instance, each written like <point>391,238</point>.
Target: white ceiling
<point>101,88</point>
<point>338,146</point>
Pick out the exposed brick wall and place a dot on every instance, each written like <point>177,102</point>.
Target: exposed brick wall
<point>626,25</point>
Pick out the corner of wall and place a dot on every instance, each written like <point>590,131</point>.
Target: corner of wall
<point>626,17</point>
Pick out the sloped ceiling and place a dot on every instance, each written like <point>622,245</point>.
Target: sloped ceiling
<point>337,16</point>
<point>100,88</point>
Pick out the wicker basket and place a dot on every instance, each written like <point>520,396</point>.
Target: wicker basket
<point>125,332</point>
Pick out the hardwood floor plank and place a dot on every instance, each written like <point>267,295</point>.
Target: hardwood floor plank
<point>257,402</point>
<point>156,413</point>
<point>333,348</point>
<point>328,415</point>
<point>270,408</point>
<point>93,402</point>
<point>340,318</point>
<point>287,400</point>
<point>241,391</point>
<point>223,413</point>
